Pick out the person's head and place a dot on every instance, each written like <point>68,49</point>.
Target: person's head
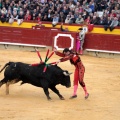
<point>68,16</point>
<point>80,16</point>
<point>115,18</point>
<point>66,51</point>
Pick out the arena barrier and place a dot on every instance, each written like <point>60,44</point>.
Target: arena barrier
<point>102,53</point>
<point>97,41</point>
<point>37,37</point>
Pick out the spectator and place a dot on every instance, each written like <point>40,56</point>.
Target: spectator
<point>91,6</point>
<point>79,20</point>
<point>55,20</point>
<point>11,19</point>
<point>80,10</point>
<point>61,17</point>
<point>8,15</point>
<point>110,7</point>
<point>34,15</point>
<point>58,9</point>
<point>67,20</point>
<point>70,13</point>
<point>102,22</point>
<point>107,23</point>
<point>114,24</point>
<point>97,19</point>
<point>113,14</point>
<point>53,10</point>
<point>56,14</point>
<point>65,10</point>
<point>4,11</point>
<point>46,8</point>
<point>45,18</point>
<point>116,9</point>
<point>105,17</point>
<point>37,9</point>
<point>94,20</point>
<point>49,16</point>
<point>51,3</point>
<point>84,4</point>
<point>71,5</point>
<point>118,16</point>
<point>101,5</point>
<point>88,9</point>
<point>78,4</point>
<point>72,19</point>
<point>15,14</point>
<point>3,17</point>
<point>76,13</point>
<point>106,13</point>
<point>28,16</point>
<point>87,21</point>
<point>25,8</point>
<point>85,15</point>
<point>7,3</point>
<point>20,18</point>
<point>39,17</point>
<point>15,7</point>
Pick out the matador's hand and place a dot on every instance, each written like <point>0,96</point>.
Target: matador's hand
<point>54,49</point>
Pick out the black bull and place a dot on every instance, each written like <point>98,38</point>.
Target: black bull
<point>18,71</point>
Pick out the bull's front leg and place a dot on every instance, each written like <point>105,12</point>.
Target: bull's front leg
<point>54,89</point>
<point>47,93</point>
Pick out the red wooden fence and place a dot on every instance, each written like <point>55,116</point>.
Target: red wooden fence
<point>45,36</point>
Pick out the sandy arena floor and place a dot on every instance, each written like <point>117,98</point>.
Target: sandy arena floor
<point>27,102</point>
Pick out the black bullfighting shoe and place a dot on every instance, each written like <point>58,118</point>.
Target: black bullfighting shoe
<point>74,96</point>
<point>87,95</point>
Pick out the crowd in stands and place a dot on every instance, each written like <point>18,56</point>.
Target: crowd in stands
<point>97,12</point>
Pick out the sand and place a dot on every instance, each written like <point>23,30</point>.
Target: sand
<point>27,102</point>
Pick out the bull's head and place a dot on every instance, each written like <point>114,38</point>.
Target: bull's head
<point>66,82</point>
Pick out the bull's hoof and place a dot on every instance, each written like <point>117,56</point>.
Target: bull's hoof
<point>87,96</point>
<point>62,98</point>
<point>7,93</point>
<point>49,98</point>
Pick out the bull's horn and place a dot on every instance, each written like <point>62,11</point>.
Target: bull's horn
<point>66,74</point>
<point>70,73</point>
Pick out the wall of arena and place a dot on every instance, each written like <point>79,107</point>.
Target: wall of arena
<point>98,42</point>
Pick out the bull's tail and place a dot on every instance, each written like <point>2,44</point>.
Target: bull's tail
<point>5,66</point>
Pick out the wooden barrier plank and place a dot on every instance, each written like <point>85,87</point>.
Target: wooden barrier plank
<point>104,51</point>
<point>21,44</point>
